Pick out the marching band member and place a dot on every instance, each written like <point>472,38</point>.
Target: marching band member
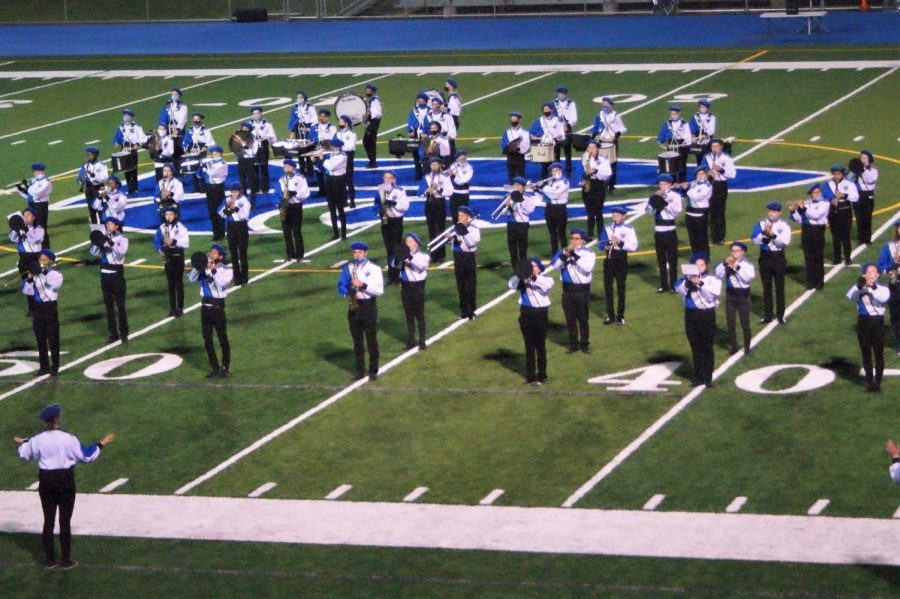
<point>454,101</point>
<point>412,289</point>
<point>112,279</point>
<point>676,133</point>
<point>608,127</point>
<point>111,201</point>
<point>29,243</point>
<point>618,239</point>
<point>264,133</point>
<point>556,190</point>
<point>772,235</point>
<point>866,181</point>
<point>323,132</point>
<point>440,114</point>
<point>721,168</point>
<point>361,283</point>
<point>696,215</point>
<point>373,122</point>
<point>870,298</point>
<point>575,264</point>
<point>665,205</point>
<point>301,122</point>
<point>597,172</point>
<point>57,452</point>
<point>567,112</point>
<point>37,192</point>
<point>174,117</point>
<point>812,216</point>
<point>197,139</point>
<point>214,281</point>
<point>520,203</point>
<point>215,170</point>
<point>345,134</point>
<point>548,129</point>
<point>164,151</point>
<point>247,171</point>
<point>235,210</point>
<point>415,127</point>
<point>170,190</point>
<point>42,291</point>
<point>737,272</point>
<point>703,125</point>
<point>465,236</point>
<point>889,262</point>
<point>438,146</point>
<point>391,204</point>
<point>333,170</point>
<point>294,190</point>
<point>843,195</point>
<point>91,177</point>
<point>170,241</point>
<point>130,137</point>
<point>436,187</point>
<point>515,144</point>
<point>701,296</point>
<point>534,305</point>
<point>461,173</point>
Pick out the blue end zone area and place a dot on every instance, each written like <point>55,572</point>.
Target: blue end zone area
<point>458,34</point>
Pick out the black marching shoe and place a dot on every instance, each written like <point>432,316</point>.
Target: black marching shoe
<point>373,377</point>
<point>68,564</point>
<point>51,564</point>
<point>124,339</point>
<point>410,345</point>
<point>609,320</point>
<point>112,339</point>
<point>179,313</point>
<point>172,313</point>
<point>54,370</point>
<point>765,320</point>
<point>422,346</point>
<point>224,372</point>
<point>571,349</point>
<point>661,290</point>
<point>213,373</point>
<point>359,376</point>
<point>41,372</point>
<point>585,349</point>
<point>621,322</point>
<point>781,320</point>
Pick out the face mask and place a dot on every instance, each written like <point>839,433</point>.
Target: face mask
<point>175,98</point>
<point>514,123</point>
<point>606,109</point>
<point>126,119</point>
<point>197,123</point>
<point>560,97</point>
<point>301,102</point>
<point>548,114</point>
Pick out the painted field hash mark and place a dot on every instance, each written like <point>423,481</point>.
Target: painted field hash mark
<point>338,492</point>
<point>262,489</point>
<point>653,502</point>
<point>736,505</point>
<point>818,507</point>
<point>417,492</point>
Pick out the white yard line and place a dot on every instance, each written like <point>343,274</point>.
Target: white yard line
<point>416,493</point>
<point>15,143</point>
<point>491,497</point>
<point>138,261</point>
<point>37,87</point>
<point>653,503</point>
<point>736,505</point>
<point>114,485</point>
<point>54,142</point>
<point>338,492</point>
<point>818,507</point>
<point>262,489</point>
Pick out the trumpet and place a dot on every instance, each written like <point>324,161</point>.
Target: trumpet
<point>441,240</point>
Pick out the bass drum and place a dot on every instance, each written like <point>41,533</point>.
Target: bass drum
<point>123,162</point>
<point>351,105</point>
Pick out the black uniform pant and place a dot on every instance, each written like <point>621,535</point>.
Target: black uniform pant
<point>565,146</point>
<point>717,211</point>
<point>261,166</point>
<point>392,235</point>
<point>292,227</point>
<point>458,199</point>
<point>113,287</point>
<point>772,267</point>
<point>517,241</point>
<point>248,175</point>
<point>25,259</point>
<point>370,138</point>
<point>863,209</point>
<point>57,491</point>
<point>436,221</point>
<point>417,162</point>
<point>615,270</point>
<point>41,212</point>
<point>45,325</point>
<point>215,195</point>
<point>464,267</point>
<point>557,218</point>
<point>533,324</point>
<point>870,334</point>
<point>364,323</point>
<point>131,177</point>
<point>174,268</point>
<point>737,305</point>
<point>666,257</point>
<point>614,166</point>
<point>697,223</point>
<point>413,296</point>
<point>812,239</point>
<point>682,163</point>
<point>700,328</point>
<point>212,318</point>
<point>840,220</point>
<point>576,301</point>
<point>348,179</point>
<point>90,194</point>
<point>894,307</point>
<point>515,165</point>
<point>238,242</point>
<point>336,189</point>
<point>594,199</point>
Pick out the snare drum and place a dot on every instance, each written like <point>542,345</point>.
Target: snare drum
<point>608,151</point>
<point>580,142</point>
<point>542,153</point>
<point>123,162</point>
<point>669,163</point>
<point>286,148</point>
<point>402,145</point>
<point>190,163</point>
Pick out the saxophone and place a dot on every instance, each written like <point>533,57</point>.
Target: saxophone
<point>167,243</point>
<point>354,301</point>
<point>894,274</point>
<point>285,195</point>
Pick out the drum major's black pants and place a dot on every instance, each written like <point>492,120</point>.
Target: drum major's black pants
<point>57,492</point>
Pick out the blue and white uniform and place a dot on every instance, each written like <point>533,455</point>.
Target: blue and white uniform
<point>870,301</point>
<point>368,273</point>
<point>514,133</point>
<point>536,291</point>
<point>302,114</point>
<point>776,240</point>
<point>416,268</point>
<point>57,450</point>
<point>213,282</point>
<point>199,135</point>
<point>31,242</point>
<point>577,269</point>
<point>113,205</point>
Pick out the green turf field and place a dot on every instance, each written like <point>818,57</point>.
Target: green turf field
<point>457,418</point>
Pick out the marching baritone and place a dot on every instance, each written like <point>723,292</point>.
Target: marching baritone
<point>870,298</point>
<point>171,240</point>
<point>567,112</point>
<point>515,143</point>
<point>701,296</point>
<point>361,283</point>
<point>548,130</point>
<point>534,306</point>
<point>112,248</point>
<point>461,173</point>
<point>454,101</point>
<point>215,170</point>
<point>556,190</point>
<point>812,216</point>
<point>42,290</point>
<point>235,210</point>
<point>721,169</point>
<point>214,277</point>
<point>170,190</point>
<point>866,181</point>
<point>391,204</point>
<point>111,201</point>
<point>772,235</point>
<point>414,271</point>
<point>436,187</point>
<point>703,127</point>
<point>29,239</point>
<point>334,171</point>
<point>246,157</point>
<point>294,190</point>
<point>198,139</point>
<point>437,146</point>
<point>346,134</point>
<point>843,195</point>
<point>415,127</point>
<point>465,236</point>
<point>608,127</point>
<point>675,135</point>
<point>696,215</point>
<point>519,205</point>
<point>323,133</point>
<point>161,149</point>
<point>174,117</point>
<point>889,262</point>
<point>91,177</point>
<point>130,137</point>
<point>440,115</point>
<point>576,267</point>
<point>37,192</point>
<point>618,240</point>
<point>303,118</point>
<point>373,122</point>
<point>665,205</point>
<point>737,272</point>
<point>264,133</point>
<point>597,172</point>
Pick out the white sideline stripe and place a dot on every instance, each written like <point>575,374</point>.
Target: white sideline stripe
<point>859,138</point>
<point>338,492</point>
<point>417,492</point>
<point>446,264</point>
<point>114,485</point>
<point>138,261</point>
<point>815,138</point>
<point>817,507</point>
<point>690,397</point>
<point>93,141</point>
<point>736,505</point>
<point>54,142</point>
<point>653,502</point>
<point>265,488</point>
<point>491,497</point>
<point>34,486</point>
<point>59,253</point>
<point>31,89</point>
<point>822,110</point>
<point>15,143</point>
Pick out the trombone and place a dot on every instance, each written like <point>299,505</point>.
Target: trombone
<point>441,240</point>
<point>502,208</point>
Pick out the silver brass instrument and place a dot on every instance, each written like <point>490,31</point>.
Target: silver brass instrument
<point>285,196</point>
<point>502,208</point>
<point>354,301</point>
<point>894,274</point>
<point>441,240</point>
